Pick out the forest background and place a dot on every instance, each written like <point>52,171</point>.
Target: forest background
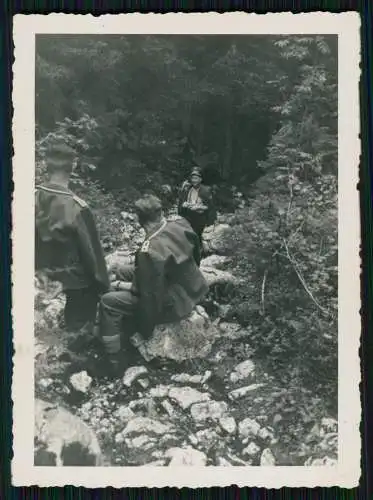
<point>259,115</point>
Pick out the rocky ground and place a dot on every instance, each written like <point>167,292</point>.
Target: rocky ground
<point>211,403</point>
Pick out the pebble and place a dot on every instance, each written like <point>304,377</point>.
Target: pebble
<point>326,461</point>
<point>207,437</point>
<point>145,424</point>
<point>265,434</point>
<point>223,462</point>
<point>45,382</point>
<point>132,373</point>
<point>329,424</point>
<point>267,458</point>
<point>242,370</point>
<point>228,424</point>
<point>186,456</point>
<point>168,407</point>
<point>119,438</point>
<point>242,391</point>
<point>209,410</point>
<point>124,413</point>
<point>156,463</point>
<point>248,427</point>
<point>81,381</point>
<point>160,391</point>
<point>144,382</point>
<point>193,439</point>
<point>185,378</point>
<point>186,396</point>
<point>251,450</point>
<point>140,441</point>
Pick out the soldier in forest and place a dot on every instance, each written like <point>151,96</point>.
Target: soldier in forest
<point>166,283</point>
<point>196,204</point>
<point>67,246</point>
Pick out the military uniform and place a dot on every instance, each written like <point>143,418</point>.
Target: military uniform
<point>68,250</point>
<point>167,284</point>
<point>197,220</point>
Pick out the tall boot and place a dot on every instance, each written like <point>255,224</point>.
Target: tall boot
<point>112,347</point>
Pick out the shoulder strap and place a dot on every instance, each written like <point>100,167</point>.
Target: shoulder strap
<point>79,201</point>
<point>52,190</point>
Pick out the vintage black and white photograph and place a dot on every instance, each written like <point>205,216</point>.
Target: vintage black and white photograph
<point>186,256</point>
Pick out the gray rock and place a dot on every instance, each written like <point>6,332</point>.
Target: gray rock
<point>57,431</point>
<point>144,382</point>
<point>248,427</point>
<point>267,458</point>
<point>265,434</point>
<point>168,407</point>
<point>44,383</point>
<point>215,276</point>
<point>141,441</point>
<point>223,462</point>
<point>207,438</point>
<point>142,425</point>
<point>232,331</point>
<point>209,410</point>
<point>124,413</point>
<point>213,238</point>
<point>329,425</point>
<point>156,463</point>
<point>228,424</point>
<point>242,371</point>
<point>251,450</point>
<point>81,381</point>
<point>186,396</point>
<point>185,378</point>
<point>215,261</point>
<point>160,391</point>
<point>190,338</point>
<point>242,391</point>
<point>321,462</point>
<point>132,374</point>
<point>193,439</point>
<point>187,456</point>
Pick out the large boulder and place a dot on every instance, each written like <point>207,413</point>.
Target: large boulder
<point>215,276</point>
<point>63,439</point>
<point>188,339</point>
<point>214,238</point>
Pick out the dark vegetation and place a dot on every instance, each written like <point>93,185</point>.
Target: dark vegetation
<point>258,114</point>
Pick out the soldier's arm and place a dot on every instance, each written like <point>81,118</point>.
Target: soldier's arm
<point>150,289</point>
<point>90,250</point>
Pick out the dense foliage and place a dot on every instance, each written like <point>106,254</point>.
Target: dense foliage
<point>259,113</point>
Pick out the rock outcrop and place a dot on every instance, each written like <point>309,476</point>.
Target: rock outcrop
<point>62,438</point>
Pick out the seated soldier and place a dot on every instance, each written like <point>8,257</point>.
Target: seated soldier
<point>166,286</point>
<point>67,246</point>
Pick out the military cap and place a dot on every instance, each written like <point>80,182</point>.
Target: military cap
<point>196,171</point>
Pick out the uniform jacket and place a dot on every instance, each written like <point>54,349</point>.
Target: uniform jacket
<point>67,246</point>
<point>168,282</point>
<point>206,198</point>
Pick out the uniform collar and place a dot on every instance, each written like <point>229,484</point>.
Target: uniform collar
<point>158,230</point>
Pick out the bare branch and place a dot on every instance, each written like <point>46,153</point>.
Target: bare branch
<point>302,280</point>
<point>263,287</point>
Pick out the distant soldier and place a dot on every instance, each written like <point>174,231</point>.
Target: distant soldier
<point>166,282</point>
<point>67,246</point>
<point>195,203</point>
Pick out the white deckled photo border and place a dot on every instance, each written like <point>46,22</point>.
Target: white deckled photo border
<point>347,472</point>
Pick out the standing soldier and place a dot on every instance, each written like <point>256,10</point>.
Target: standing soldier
<point>67,246</point>
<point>195,203</point>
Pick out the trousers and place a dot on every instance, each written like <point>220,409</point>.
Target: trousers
<point>117,314</point>
<point>80,308</point>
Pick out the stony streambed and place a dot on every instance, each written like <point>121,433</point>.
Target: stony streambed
<point>220,407</point>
